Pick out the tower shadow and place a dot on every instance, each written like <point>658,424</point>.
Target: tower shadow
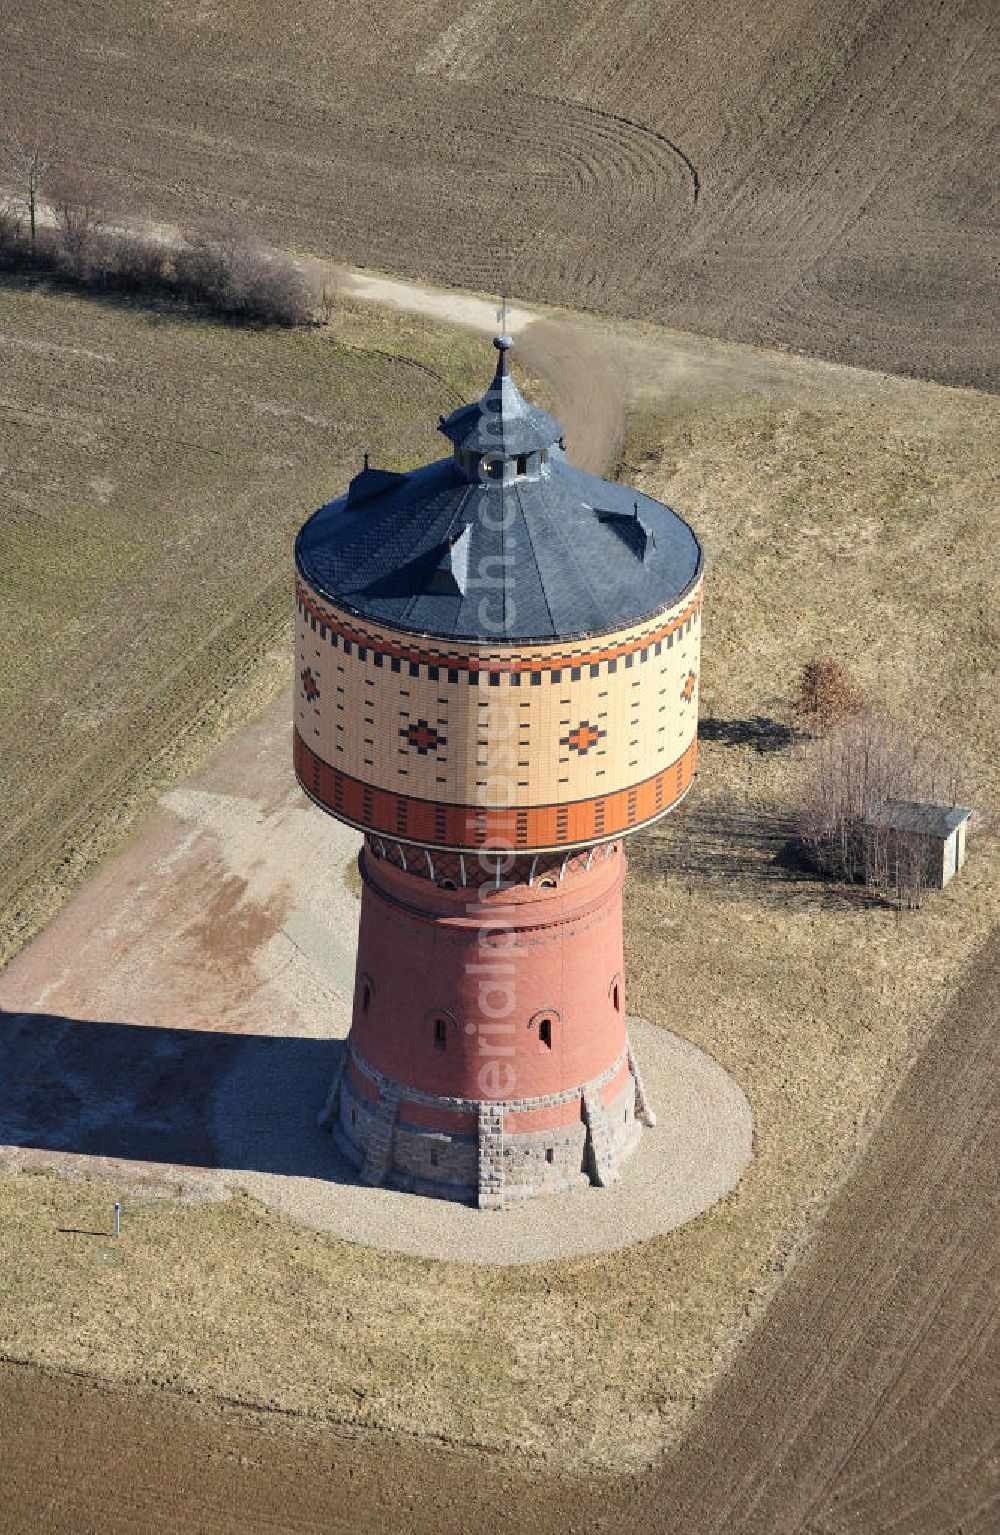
<point>763,734</point>
<point>186,1097</point>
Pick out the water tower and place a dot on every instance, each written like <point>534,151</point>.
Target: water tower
<point>497,682</point>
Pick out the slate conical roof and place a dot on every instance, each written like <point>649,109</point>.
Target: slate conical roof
<point>503,542</point>
<point>502,421</point>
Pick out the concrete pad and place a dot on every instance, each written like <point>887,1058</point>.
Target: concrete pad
<point>180,1023</point>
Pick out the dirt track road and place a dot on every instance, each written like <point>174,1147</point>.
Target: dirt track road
<point>577,357</point>
<point>863,1403</point>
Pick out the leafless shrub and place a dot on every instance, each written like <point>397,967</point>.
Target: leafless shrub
<point>84,204</point>
<point>225,267</point>
<point>824,694</point>
<point>847,773</point>
<point>203,264</point>
<point>10,229</point>
<point>276,291</point>
<point>136,263</point>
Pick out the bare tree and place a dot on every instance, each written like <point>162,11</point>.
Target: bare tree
<point>846,774</point>
<point>31,156</point>
<point>83,203</point>
<point>327,300</point>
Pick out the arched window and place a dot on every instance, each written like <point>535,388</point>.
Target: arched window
<point>440,1022</point>
<point>545,1024</point>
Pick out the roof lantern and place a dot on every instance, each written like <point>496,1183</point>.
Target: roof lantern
<point>501,427</point>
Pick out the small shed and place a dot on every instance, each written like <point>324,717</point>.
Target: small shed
<point>932,834</point>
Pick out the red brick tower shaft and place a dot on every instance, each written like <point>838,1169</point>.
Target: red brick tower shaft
<point>482,995</point>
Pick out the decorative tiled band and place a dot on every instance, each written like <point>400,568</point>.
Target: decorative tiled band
<point>512,663</point>
<point>519,828</point>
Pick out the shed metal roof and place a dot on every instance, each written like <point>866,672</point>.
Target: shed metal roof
<point>918,816</point>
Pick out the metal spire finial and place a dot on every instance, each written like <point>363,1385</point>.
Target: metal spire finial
<point>502,340</point>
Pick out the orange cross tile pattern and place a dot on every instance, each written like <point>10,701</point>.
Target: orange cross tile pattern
<point>423,736</point>
<point>583,738</point>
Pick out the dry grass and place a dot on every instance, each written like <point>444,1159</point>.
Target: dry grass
<point>155,469</point>
<point>857,525</point>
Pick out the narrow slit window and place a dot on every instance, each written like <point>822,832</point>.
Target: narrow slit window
<point>440,1033</point>
<point>545,1033</point>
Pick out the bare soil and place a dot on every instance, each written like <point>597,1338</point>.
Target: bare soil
<point>782,174</point>
<point>864,1401</point>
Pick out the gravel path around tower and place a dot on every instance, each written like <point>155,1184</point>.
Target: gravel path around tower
<point>702,1142</point>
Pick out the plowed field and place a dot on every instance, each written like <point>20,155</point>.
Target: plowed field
<point>817,176</point>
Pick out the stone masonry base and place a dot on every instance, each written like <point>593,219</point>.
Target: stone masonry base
<point>490,1167</point>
